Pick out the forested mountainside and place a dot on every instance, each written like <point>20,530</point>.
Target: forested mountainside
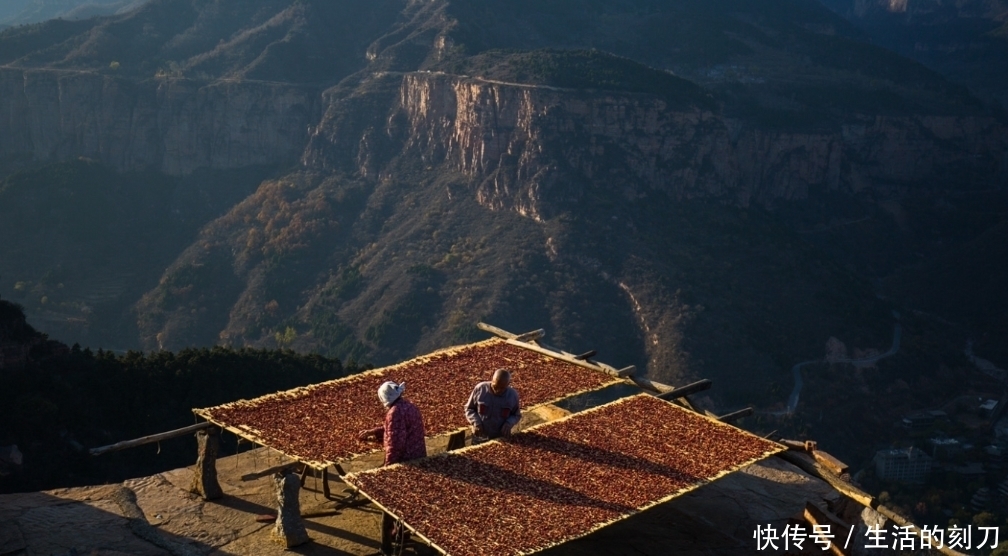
<point>704,189</point>
<point>58,401</point>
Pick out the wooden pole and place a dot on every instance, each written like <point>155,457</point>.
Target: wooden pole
<point>627,372</point>
<point>456,440</point>
<point>817,516</point>
<point>829,462</point>
<point>812,467</point>
<point>736,415</point>
<point>530,336</point>
<point>501,333</point>
<point>587,355</point>
<point>798,445</point>
<point>650,385</point>
<point>149,439</point>
<point>564,357</point>
<point>698,386</point>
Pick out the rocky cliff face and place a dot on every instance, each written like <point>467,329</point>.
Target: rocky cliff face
<point>172,125</point>
<point>520,143</point>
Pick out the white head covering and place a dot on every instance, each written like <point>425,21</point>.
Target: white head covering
<point>389,392</point>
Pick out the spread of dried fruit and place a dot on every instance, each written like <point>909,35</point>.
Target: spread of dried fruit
<point>561,480</point>
<point>318,424</point>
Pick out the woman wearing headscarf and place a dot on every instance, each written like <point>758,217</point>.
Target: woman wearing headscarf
<point>403,436</point>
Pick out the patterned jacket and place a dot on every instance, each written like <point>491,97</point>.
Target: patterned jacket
<point>403,433</point>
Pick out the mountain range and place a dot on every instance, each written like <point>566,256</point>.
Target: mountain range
<point>967,41</point>
<point>21,12</point>
<point>703,189</point>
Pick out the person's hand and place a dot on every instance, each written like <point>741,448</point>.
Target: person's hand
<point>365,435</point>
<point>475,430</point>
<point>506,430</point>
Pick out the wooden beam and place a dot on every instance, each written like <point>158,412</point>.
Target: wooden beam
<point>808,446</point>
<point>809,465</point>
<point>149,439</point>
<point>412,529</point>
<point>456,440</point>
<point>829,462</point>
<point>530,336</point>
<point>627,371</point>
<point>796,445</point>
<point>501,333</point>
<point>698,386</point>
<point>817,516</point>
<point>650,385</point>
<point>562,356</point>
<point>524,340</point>
<point>736,415</point>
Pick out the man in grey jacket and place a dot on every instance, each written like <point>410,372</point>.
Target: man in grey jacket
<point>493,408</point>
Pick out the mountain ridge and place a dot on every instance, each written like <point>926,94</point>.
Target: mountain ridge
<point>715,208</point>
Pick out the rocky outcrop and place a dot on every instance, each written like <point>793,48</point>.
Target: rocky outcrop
<point>172,125</point>
<point>161,517</point>
<point>516,140</point>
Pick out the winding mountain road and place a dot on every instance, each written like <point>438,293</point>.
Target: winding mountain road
<point>796,370</point>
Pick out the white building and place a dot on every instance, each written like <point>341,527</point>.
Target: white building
<point>906,465</point>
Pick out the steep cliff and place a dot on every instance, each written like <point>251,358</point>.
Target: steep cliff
<point>172,125</point>
<point>511,138</point>
<point>715,201</point>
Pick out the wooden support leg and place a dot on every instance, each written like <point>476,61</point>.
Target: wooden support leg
<point>325,484</point>
<point>289,529</point>
<point>456,441</point>
<point>204,480</point>
<point>304,474</point>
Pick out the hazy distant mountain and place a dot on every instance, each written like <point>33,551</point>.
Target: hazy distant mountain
<point>966,40</point>
<point>20,12</point>
<point>702,188</point>
<point>11,8</point>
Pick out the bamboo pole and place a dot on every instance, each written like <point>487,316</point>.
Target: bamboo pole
<point>149,439</point>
